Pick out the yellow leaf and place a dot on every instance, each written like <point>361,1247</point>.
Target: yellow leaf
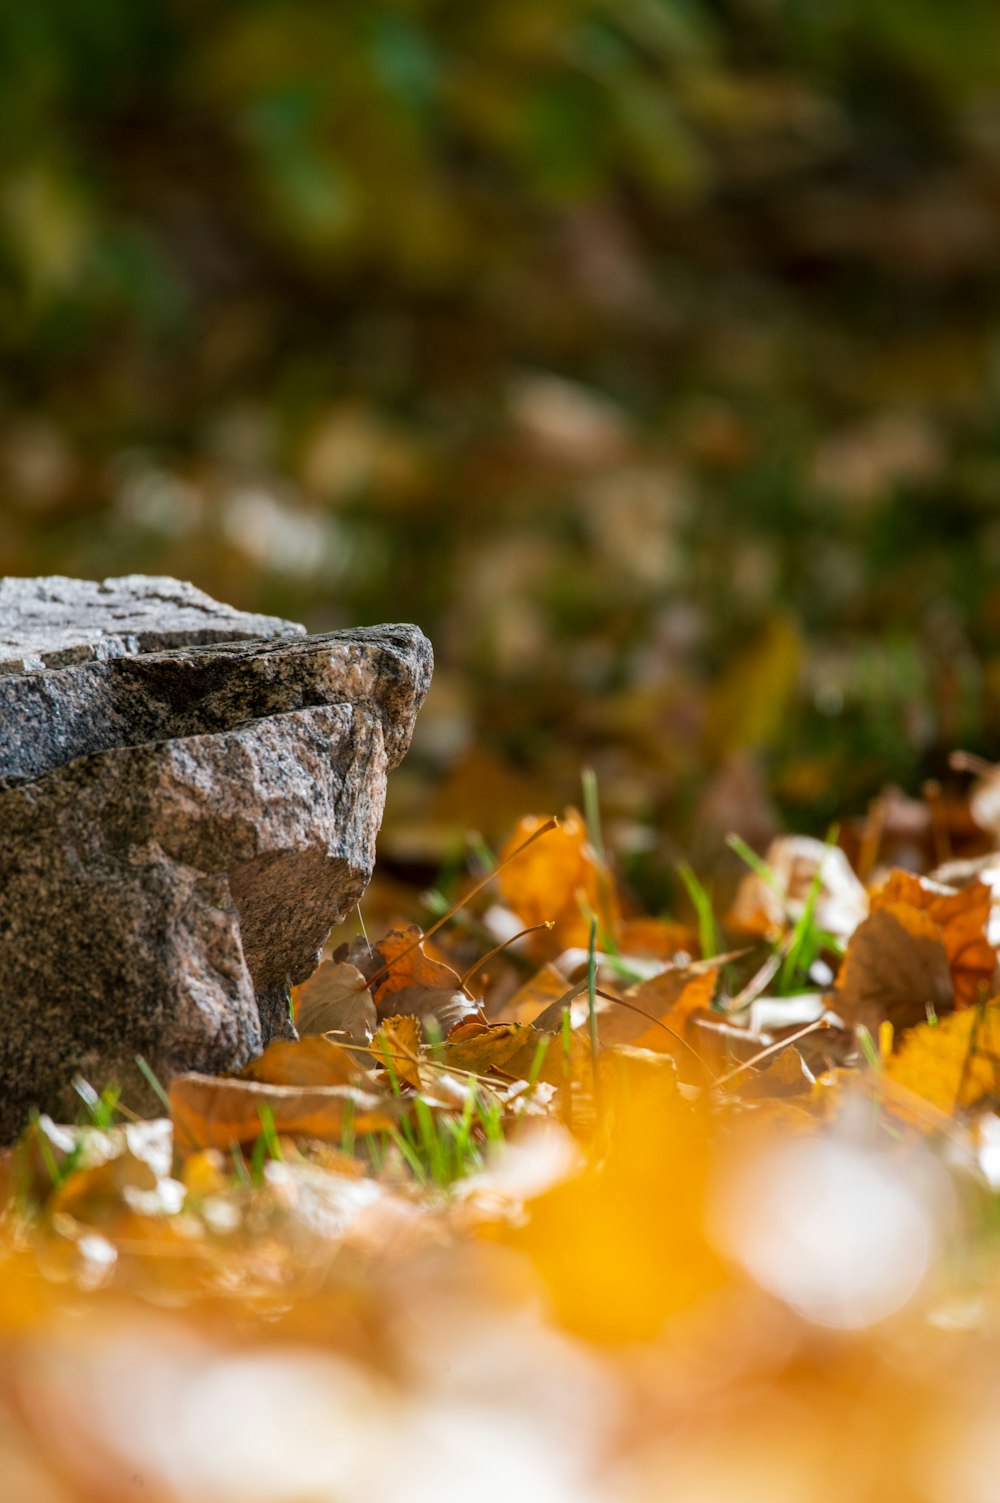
<point>954,1063</point>
<point>502,1046</point>
<point>397,1047</point>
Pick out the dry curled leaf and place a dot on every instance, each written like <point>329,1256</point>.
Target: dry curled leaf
<point>558,878</point>
<point>404,962</point>
<point>440,1009</point>
<point>795,861</point>
<point>895,968</point>
<point>335,999</point>
<point>396,1045</point>
<point>508,1047</point>
<point>962,918</point>
<point>215,1113</point>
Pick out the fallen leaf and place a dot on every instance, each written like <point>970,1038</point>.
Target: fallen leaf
<point>313,1061</point>
<point>794,861</point>
<point>672,997</point>
<point>557,878</point>
<point>953,1064</point>
<point>895,968</point>
<point>543,989</point>
<point>962,918</point>
<point>406,963</point>
<point>209,1112</point>
<point>396,1046</point>
<point>653,1014</point>
<point>335,999</point>
<point>441,1006</point>
<point>509,1047</point>
<point>785,1075</point>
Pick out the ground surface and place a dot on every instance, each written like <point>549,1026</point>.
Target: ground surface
<point>699,1204</point>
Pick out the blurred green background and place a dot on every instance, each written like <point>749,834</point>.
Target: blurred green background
<point>645,352</point>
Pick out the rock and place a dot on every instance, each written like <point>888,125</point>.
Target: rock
<point>56,621</point>
<point>179,830</point>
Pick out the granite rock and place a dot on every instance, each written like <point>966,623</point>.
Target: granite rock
<point>179,830</point>
<point>55,621</point>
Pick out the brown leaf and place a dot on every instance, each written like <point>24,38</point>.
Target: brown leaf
<point>896,967</point>
<point>961,917</point>
<point>785,1075</point>
<point>313,1061</point>
<point>438,1005</point>
<point>209,1112</point>
<point>335,999</point>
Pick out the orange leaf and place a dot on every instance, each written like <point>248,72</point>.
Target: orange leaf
<point>209,1112</point>
<point>313,1061</point>
<point>555,879</point>
<point>543,989</point>
<point>961,918</point>
<point>408,964</point>
<point>672,996</point>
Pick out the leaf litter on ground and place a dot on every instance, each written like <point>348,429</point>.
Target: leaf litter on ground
<point>577,1120</point>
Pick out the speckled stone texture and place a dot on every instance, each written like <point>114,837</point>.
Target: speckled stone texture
<point>55,621</point>
<point>179,830</point>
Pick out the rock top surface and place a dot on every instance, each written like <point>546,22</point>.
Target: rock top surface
<point>179,829</point>
<point>56,621</point>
